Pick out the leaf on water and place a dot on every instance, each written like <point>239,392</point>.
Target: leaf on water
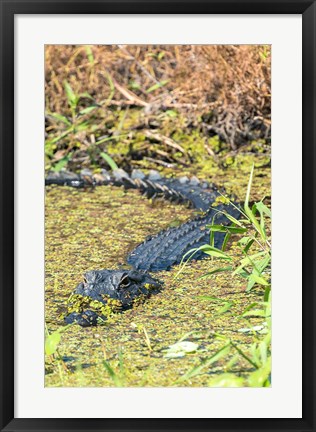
<point>257,328</point>
<point>180,349</point>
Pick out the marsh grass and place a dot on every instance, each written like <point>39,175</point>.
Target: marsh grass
<point>105,99</point>
<point>255,267</point>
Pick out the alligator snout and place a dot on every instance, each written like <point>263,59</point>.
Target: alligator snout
<point>104,292</point>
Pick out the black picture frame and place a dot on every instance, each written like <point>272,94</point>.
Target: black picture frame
<point>8,10</point>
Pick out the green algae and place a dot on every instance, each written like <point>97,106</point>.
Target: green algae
<point>79,303</point>
<point>95,229</point>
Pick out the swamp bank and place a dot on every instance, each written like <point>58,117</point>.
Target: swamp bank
<point>95,229</point>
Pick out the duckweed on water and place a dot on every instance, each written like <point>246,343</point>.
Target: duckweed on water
<point>95,229</point>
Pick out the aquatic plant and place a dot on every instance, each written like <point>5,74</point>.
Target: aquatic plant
<point>254,265</point>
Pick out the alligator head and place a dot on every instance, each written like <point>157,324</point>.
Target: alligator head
<point>104,292</point>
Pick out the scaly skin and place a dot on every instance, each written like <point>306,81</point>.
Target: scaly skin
<point>106,291</point>
<point>167,248</point>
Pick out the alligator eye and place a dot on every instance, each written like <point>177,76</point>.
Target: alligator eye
<point>125,282</point>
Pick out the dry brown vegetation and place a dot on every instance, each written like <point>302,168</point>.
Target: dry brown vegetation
<point>220,90</point>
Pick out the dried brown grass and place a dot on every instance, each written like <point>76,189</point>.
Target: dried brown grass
<point>228,86</point>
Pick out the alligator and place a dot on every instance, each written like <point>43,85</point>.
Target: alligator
<point>104,292</point>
